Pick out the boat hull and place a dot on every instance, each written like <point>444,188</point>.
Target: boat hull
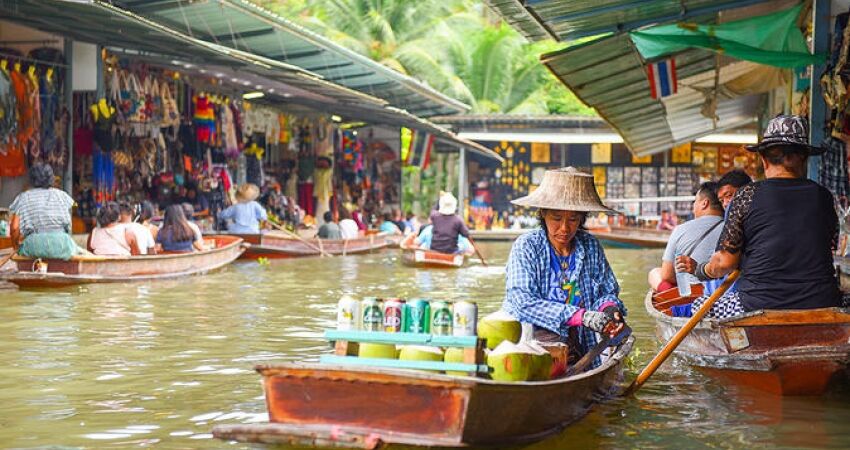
<point>107,269</point>
<point>274,246</point>
<point>329,406</point>
<point>632,237</point>
<point>789,352</point>
<point>417,257</point>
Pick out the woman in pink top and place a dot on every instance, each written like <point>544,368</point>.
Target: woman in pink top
<point>110,237</point>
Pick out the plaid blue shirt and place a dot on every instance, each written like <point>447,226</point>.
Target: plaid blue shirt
<point>527,285</point>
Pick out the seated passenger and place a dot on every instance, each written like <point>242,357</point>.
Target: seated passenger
<point>780,232</point>
<point>329,229</point>
<point>110,237</point>
<point>40,224</point>
<point>245,216</point>
<point>696,238</point>
<point>189,212</point>
<point>387,225</point>
<point>667,221</point>
<point>142,234</point>
<point>729,184</point>
<point>423,240</point>
<point>447,225</point>
<point>347,226</point>
<point>175,235</point>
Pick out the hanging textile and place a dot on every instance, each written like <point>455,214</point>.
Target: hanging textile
<point>773,39</point>
<point>833,167</point>
<point>419,151</point>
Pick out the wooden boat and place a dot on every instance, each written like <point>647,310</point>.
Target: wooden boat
<point>278,245</point>
<point>630,237</point>
<point>106,269</point>
<point>417,257</point>
<point>323,405</point>
<point>785,352</point>
<point>508,234</point>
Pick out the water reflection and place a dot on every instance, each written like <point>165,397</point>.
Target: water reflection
<point>159,364</point>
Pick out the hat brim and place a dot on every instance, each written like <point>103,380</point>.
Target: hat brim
<point>764,145</point>
<point>530,202</point>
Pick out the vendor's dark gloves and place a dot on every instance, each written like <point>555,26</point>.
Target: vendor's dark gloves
<point>596,321</point>
<point>615,314</point>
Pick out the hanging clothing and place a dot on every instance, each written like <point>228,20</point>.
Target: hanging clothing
<point>8,111</point>
<point>204,119</point>
<point>833,167</point>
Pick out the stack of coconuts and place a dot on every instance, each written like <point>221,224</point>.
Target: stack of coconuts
<point>509,359</point>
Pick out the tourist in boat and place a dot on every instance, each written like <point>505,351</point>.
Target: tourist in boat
<point>697,238</point>
<point>40,224</point>
<point>387,226</point>
<point>198,200</point>
<point>558,278</point>
<point>729,184</point>
<point>446,225</point>
<point>189,212</point>
<point>667,221</point>
<point>146,213</point>
<point>780,232</point>
<point>347,226</point>
<point>329,229</point>
<point>245,216</point>
<point>426,234</point>
<point>142,234</point>
<point>110,237</point>
<point>175,235</point>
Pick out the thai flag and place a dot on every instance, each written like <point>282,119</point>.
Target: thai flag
<point>419,152</point>
<point>662,78</point>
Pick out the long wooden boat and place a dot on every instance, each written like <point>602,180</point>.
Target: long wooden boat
<point>630,237</point>
<point>418,257</point>
<point>785,352</point>
<point>114,269</point>
<point>351,407</point>
<point>275,246</point>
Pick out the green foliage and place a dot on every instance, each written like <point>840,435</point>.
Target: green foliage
<point>449,44</point>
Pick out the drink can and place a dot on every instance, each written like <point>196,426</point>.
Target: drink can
<point>465,320</point>
<point>393,315</point>
<point>348,314</point>
<point>441,318</point>
<point>417,316</point>
<point>373,315</point>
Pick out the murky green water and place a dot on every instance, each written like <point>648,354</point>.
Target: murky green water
<point>159,364</point>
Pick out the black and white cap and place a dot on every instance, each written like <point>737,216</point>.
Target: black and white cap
<point>786,130</point>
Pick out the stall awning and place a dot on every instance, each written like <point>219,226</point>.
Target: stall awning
<point>243,25</point>
<point>570,20</point>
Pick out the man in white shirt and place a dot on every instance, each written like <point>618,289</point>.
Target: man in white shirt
<point>144,238</point>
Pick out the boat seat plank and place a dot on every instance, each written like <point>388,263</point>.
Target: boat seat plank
<point>380,337</point>
<point>399,364</point>
<point>791,317</point>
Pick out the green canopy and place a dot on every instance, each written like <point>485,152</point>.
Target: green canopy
<point>773,39</point>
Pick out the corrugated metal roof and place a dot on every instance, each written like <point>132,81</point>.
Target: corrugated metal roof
<point>609,75</point>
<point>523,120</point>
<point>243,25</point>
<point>127,33</point>
<point>569,20</point>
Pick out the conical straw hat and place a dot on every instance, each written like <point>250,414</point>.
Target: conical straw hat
<point>565,189</point>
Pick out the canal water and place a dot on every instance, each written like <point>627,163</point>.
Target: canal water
<point>159,364</point>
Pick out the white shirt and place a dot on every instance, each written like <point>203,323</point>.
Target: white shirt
<point>144,237</point>
<point>348,229</point>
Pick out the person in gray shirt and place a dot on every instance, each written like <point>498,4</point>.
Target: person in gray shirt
<point>329,229</point>
<point>696,238</point>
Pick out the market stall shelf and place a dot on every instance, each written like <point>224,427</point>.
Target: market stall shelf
<point>116,269</point>
<point>326,405</point>
<point>274,246</point>
<point>417,257</point>
<point>785,352</point>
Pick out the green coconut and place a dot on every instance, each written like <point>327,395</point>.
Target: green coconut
<point>499,327</point>
<point>420,353</point>
<point>541,361</point>
<point>383,351</point>
<point>454,355</point>
<point>509,363</point>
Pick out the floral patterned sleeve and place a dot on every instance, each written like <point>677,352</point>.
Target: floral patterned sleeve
<point>732,237</point>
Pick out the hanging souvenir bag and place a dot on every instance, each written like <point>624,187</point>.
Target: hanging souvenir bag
<point>170,113</point>
<point>138,120</point>
<point>155,102</point>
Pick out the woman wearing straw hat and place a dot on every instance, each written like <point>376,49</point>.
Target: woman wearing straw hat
<point>558,278</point>
<point>245,216</point>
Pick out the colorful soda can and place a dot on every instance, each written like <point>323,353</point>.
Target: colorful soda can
<point>441,318</point>
<point>393,315</point>
<point>373,315</point>
<point>465,320</point>
<point>347,314</point>
<point>417,316</point>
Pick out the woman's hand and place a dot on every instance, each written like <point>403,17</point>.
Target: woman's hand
<point>685,264</point>
<point>602,323</point>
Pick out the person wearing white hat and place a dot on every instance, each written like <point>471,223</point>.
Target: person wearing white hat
<point>558,278</point>
<point>245,216</point>
<point>446,226</point>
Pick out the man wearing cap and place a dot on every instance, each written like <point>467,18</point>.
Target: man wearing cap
<point>558,278</point>
<point>781,232</point>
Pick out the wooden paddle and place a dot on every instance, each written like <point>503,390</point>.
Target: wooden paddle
<point>305,241</point>
<point>477,252</point>
<point>680,335</point>
<point>589,357</point>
